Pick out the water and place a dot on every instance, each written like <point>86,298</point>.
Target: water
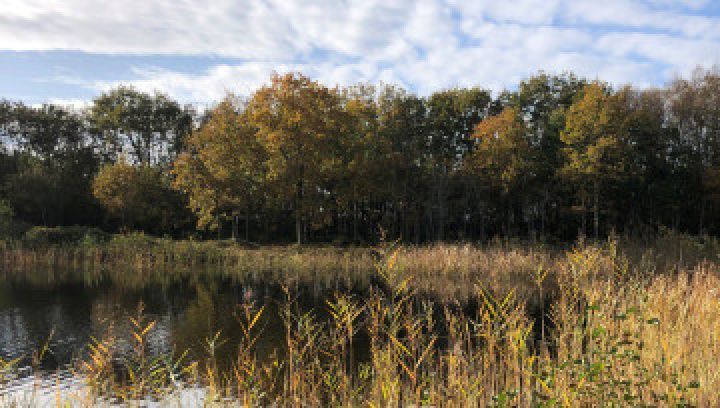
<point>67,309</point>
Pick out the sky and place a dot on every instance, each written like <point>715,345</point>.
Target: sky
<point>68,51</point>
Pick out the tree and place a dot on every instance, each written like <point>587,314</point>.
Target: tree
<point>368,161</point>
<point>299,123</point>
<point>542,101</point>
<point>694,111</point>
<point>452,116</point>
<point>52,163</point>
<point>402,143</point>
<point>6,216</point>
<point>644,194</point>
<point>46,131</point>
<point>139,196</point>
<point>358,185</point>
<point>149,128</point>
<point>502,157</point>
<point>223,168</point>
<point>595,146</point>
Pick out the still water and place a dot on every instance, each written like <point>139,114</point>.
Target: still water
<point>67,309</point>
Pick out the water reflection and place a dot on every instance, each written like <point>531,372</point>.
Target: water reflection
<point>71,307</point>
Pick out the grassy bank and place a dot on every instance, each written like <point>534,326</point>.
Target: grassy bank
<point>447,271</point>
<point>617,323</point>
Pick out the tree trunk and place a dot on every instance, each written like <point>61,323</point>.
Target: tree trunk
<point>701,224</point>
<point>596,209</point>
<point>543,214</point>
<point>583,208</point>
<point>148,140</point>
<point>440,228</point>
<point>298,227</point>
<point>298,212</point>
<point>395,223</point>
<point>355,222</point>
<point>247,225</point>
<point>417,229</point>
<point>530,226</point>
<point>508,218</point>
<point>483,234</point>
<point>235,228</point>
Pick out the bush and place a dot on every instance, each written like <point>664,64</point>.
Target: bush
<point>43,236</point>
<point>134,239</point>
<point>10,228</point>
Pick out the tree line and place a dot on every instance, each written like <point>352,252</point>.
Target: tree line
<point>557,157</point>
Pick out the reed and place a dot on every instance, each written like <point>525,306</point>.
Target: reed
<point>593,325</point>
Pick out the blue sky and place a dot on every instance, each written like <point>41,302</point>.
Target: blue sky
<point>67,51</point>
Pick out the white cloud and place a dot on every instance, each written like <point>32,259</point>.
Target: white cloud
<point>241,79</point>
<point>518,11</point>
<point>265,29</point>
<point>634,15</point>
<point>681,53</point>
<point>423,44</point>
<point>691,4</point>
<point>72,103</point>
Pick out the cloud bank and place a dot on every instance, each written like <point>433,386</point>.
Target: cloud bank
<point>424,44</point>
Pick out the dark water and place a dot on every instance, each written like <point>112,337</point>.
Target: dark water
<point>66,309</point>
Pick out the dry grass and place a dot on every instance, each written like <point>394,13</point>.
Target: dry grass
<point>594,325</point>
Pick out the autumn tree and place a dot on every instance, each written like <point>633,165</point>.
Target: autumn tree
<point>140,197</point>
<point>222,170</point>
<point>299,123</point>
<point>367,161</point>
<point>595,146</point>
<point>501,158</point>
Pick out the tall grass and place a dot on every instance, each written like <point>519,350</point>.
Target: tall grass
<point>462,326</point>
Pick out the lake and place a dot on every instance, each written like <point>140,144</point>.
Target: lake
<point>187,324</point>
<point>65,309</point>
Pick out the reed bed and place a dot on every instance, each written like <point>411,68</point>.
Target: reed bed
<point>459,326</point>
<point>133,260</point>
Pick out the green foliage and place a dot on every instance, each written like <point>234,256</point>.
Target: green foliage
<point>46,169</point>
<point>133,240</point>
<point>153,126</point>
<point>6,211</point>
<point>10,227</point>
<point>47,131</point>
<point>45,236</point>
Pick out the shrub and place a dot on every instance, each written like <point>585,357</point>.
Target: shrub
<point>44,236</point>
<point>133,239</point>
<point>10,228</point>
